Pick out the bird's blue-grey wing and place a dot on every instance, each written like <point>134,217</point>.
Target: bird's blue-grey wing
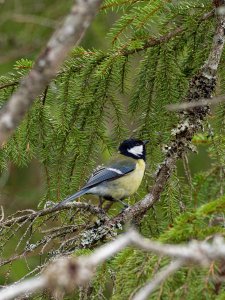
<point>108,173</point>
<point>112,172</point>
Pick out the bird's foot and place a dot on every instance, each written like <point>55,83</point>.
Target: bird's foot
<point>125,205</point>
<point>101,201</point>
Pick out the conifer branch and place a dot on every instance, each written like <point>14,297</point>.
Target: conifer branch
<point>6,85</point>
<point>47,65</point>
<point>152,42</point>
<point>66,274</point>
<point>125,51</point>
<point>111,5</point>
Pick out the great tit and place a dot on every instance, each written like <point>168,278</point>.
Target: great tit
<point>120,178</point>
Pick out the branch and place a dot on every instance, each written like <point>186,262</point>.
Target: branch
<point>6,85</point>
<point>26,286</point>
<point>34,214</point>
<point>193,104</point>
<point>47,65</point>
<point>65,274</point>
<point>152,42</point>
<point>33,19</point>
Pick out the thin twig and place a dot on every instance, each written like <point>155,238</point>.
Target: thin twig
<point>78,205</point>
<point>201,102</point>
<point>2,214</point>
<point>5,85</point>
<point>159,278</point>
<point>33,19</point>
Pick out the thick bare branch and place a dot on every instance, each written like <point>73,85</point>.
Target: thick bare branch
<point>26,287</point>
<point>47,65</point>
<point>65,274</point>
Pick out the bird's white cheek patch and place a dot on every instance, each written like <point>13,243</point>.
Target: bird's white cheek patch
<point>136,150</point>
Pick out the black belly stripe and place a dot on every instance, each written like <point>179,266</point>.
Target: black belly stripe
<point>109,198</point>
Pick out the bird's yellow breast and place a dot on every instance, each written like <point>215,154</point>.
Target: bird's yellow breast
<point>127,185</point>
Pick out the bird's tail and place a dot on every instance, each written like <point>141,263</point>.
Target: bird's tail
<point>72,197</point>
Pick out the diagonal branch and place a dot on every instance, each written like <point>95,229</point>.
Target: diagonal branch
<point>164,38</point>
<point>47,65</point>
<point>201,86</point>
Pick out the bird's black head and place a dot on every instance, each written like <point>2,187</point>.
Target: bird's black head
<point>133,148</point>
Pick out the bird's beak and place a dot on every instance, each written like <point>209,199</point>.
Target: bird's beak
<point>146,142</point>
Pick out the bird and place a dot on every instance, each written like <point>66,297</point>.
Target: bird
<point>118,179</point>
